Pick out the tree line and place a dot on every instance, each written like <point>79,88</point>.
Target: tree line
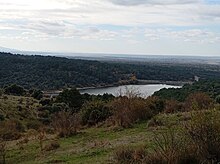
<point>46,72</point>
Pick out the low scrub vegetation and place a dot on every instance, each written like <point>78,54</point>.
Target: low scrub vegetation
<point>11,130</point>
<point>171,131</point>
<point>3,149</point>
<point>95,111</point>
<point>196,141</point>
<point>204,132</point>
<point>65,123</point>
<point>127,111</point>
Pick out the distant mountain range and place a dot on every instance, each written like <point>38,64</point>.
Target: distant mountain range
<point>4,49</point>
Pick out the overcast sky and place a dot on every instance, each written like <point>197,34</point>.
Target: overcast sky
<point>190,27</point>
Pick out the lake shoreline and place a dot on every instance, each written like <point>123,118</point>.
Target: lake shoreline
<point>137,82</point>
<point>143,90</point>
<point>140,82</point>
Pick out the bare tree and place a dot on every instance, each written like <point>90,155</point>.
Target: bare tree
<point>66,123</point>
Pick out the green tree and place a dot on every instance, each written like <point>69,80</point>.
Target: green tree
<point>217,99</point>
<point>95,111</point>
<point>1,92</point>
<point>37,94</point>
<point>15,90</point>
<point>71,97</point>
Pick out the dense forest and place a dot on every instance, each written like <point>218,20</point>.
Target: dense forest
<point>46,72</point>
<point>210,87</point>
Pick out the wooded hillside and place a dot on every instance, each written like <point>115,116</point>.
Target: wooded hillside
<point>46,72</point>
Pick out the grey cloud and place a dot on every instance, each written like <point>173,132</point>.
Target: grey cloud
<point>152,2</point>
<point>193,35</point>
<point>47,28</point>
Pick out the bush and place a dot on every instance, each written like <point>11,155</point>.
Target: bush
<point>37,94</point>
<point>11,130</point>
<point>155,105</point>
<point>196,142</point>
<point>172,106</point>
<point>72,98</point>
<point>45,101</point>
<point>198,101</point>
<point>1,92</point>
<point>2,151</point>
<point>204,132</point>
<point>169,147</point>
<point>34,124</point>
<point>15,90</point>
<point>58,107</point>
<point>154,122</point>
<point>52,146</point>
<point>65,123</point>
<point>2,117</point>
<point>217,99</point>
<point>128,155</point>
<point>94,111</point>
<point>45,112</point>
<point>127,111</point>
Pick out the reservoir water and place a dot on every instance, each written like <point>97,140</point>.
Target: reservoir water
<point>142,90</point>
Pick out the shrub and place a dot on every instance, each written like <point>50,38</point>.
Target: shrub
<point>127,111</point>
<point>155,105</point>
<point>196,142</point>
<point>43,115</point>
<point>94,111</point>
<point>217,99</point>
<point>34,124</point>
<point>15,90</point>
<point>45,101</point>
<point>204,131</point>
<point>22,142</point>
<point>52,146</point>
<point>1,92</point>
<point>169,147</point>
<point>37,94</point>
<point>198,101</point>
<point>129,155</point>
<point>166,145</point>
<point>65,123</point>
<point>172,106</point>
<point>2,117</point>
<point>154,122</point>
<point>45,112</point>
<point>58,107</point>
<point>41,137</point>
<point>10,129</point>
<point>71,97</point>
<point>2,151</point>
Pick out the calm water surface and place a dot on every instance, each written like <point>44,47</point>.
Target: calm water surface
<point>143,90</point>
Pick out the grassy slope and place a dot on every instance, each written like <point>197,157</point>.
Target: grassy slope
<point>18,107</point>
<point>93,145</point>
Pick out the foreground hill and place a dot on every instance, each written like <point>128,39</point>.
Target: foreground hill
<point>75,128</point>
<point>46,72</point>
